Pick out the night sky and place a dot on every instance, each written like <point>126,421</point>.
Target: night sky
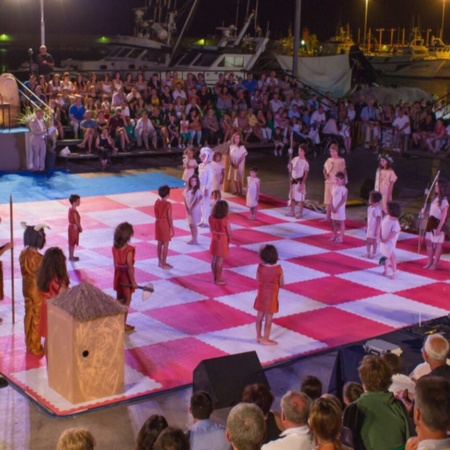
<point>109,17</point>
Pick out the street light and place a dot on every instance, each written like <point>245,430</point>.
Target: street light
<point>442,23</point>
<point>365,22</point>
<point>42,23</point>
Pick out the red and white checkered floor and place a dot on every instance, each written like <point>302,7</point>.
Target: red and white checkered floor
<point>332,294</point>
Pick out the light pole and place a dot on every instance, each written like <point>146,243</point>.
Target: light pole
<point>42,23</point>
<point>442,22</point>
<point>365,23</point>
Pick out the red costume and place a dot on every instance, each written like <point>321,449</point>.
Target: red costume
<point>162,225</point>
<point>219,236</point>
<point>53,290</point>
<point>121,274</point>
<point>268,287</point>
<point>73,230</point>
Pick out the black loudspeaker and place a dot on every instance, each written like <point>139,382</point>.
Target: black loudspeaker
<point>225,378</point>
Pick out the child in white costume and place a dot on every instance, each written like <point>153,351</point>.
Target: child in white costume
<point>205,174</point>
<point>193,201</point>
<point>253,190</point>
<point>389,232</point>
<point>218,175</point>
<point>374,215</point>
<point>189,165</point>
<point>337,207</point>
<point>299,168</point>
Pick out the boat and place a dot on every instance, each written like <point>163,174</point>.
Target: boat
<point>235,52</point>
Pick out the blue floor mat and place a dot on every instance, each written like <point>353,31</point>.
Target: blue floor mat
<point>28,187</point>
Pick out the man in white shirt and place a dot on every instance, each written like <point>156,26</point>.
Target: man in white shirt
<point>38,130</point>
<point>246,427</point>
<point>402,130</point>
<point>294,416</point>
<point>431,415</point>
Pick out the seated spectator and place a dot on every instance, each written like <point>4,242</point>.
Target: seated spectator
<point>241,124</point>
<point>179,92</point>
<point>325,419</point>
<point>294,416</point>
<point>312,387</point>
<point>89,128</point>
<point>205,434</point>
<point>195,127</point>
<point>377,419</point>
<point>172,438</point>
<point>224,101</point>
<point>260,395</point>
<point>431,414</point>
<point>436,140</point>
<point>66,83</point>
<point>150,431</point>
<point>266,131</point>
<point>351,392</point>
<point>210,128</point>
<point>117,127</point>
<point>245,427</point>
<point>118,98</point>
<point>424,131</point>
<point>253,126</point>
<point>206,99</point>
<point>145,131</point>
<point>76,113</point>
<point>76,439</point>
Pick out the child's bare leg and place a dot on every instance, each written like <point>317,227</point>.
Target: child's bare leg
<point>219,268</point>
<point>267,328</point>
<point>127,302</point>
<point>437,256</point>
<point>259,319</point>
<point>430,253</point>
<point>393,261</point>
<point>165,249</point>
<point>239,187</point>
<point>159,253</point>
<point>328,213</point>
<point>334,230</point>
<point>213,267</point>
<point>71,254</point>
<point>301,205</point>
<point>194,233</point>
<point>341,231</point>
<point>368,247</point>
<point>374,247</point>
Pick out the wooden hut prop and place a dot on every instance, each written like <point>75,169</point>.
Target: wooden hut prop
<point>85,344</point>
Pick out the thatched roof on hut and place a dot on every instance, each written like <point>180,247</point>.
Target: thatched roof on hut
<point>223,148</point>
<point>86,302</point>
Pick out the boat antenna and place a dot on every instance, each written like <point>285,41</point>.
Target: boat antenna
<point>237,14</point>
<point>256,15</point>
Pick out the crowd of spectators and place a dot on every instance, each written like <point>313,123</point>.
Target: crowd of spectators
<point>387,411</point>
<point>167,111</point>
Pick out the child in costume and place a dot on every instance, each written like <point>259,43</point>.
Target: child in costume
<point>220,239</point>
<point>189,164</point>
<point>374,215</point>
<point>218,174</point>
<point>52,279</point>
<point>163,226</point>
<point>270,278</point>
<point>385,179</point>
<point>337,207</point>
<point>253,190</point>
<point>299,168</point>
<point>30,258</point>
<point>74,228</point>
<point>389,232</point>
<point>205,175</point>
<point>238,153</point>
<point>123,254</point>
<point>192,201</point>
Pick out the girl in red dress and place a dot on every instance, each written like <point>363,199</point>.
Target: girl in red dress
<point>220,238</point>
<point>123,254</point>
<point>52,279</point>
<point>163,225</point>
<point>270,278</point>
<point>74,228</point>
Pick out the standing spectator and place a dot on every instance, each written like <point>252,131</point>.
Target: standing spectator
<point>205,434</point>
<point>402,131</point>
<point>76,439</point>
<point>38,130</point>
<point>210,128</point>
<point>44,61</point>
<point>150,431</point>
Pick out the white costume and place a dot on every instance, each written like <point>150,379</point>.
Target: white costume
<point>299,167</point>
<point>253,184</point>
<point>192,196</point>
<point>205,174</point>
<point>189,168</point>
<point>373,212</point>
<point>436,211</point>
<point>331,167</point>
<point>236,152</point>
<point>383,180</point>
<point>218,168</point>
<point>388,225</point>
<point>337,194</point>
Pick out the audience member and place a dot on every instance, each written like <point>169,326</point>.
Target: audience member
<point>351,392</point>
<point>205,434</point>
<point>260,395</point>
<point>150,431</point>
<point>431,414</point>
<point>76,439</point>
<point>400,382</point>
<point>312,387</point>
<point>377,419</point>
<point>246,427</point>
<point>294,416</point>
<point>172,438</point>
